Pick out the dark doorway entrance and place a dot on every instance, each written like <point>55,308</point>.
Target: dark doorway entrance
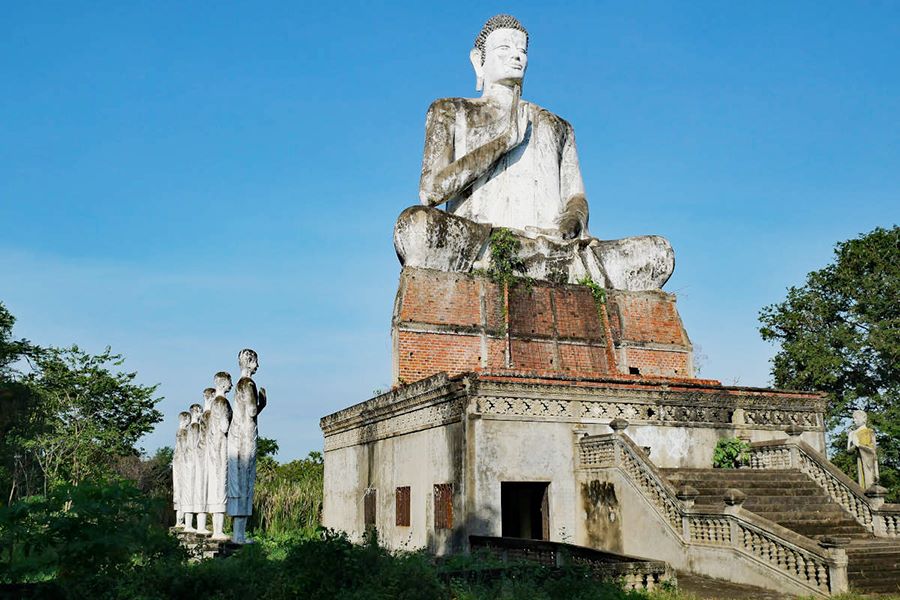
<point>525,510</point>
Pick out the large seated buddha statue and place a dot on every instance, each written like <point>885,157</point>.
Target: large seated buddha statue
<point>500,161</point>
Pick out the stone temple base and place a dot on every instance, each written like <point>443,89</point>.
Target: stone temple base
<point>200,546</point>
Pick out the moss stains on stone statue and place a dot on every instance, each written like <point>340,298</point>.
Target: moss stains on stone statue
<point>501,161</point>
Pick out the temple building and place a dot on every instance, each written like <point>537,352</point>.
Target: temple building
<point>545,389</point>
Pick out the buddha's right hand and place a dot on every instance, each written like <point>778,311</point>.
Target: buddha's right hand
<point>518,119</point>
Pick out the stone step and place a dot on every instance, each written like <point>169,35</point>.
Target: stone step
<point>735,473</point>
<point>885,557</point>
<point>809,516</point>
<point>859,553</point>
<point>785,493</point>
<point>748,483</point>
<point>790,502</point>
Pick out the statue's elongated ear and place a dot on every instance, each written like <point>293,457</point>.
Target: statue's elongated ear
<point>475,57</point>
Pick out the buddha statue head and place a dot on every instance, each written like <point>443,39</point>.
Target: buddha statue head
<point>500,54</point>
<point>208,395</point>
<point>196,412</point>
<point>184,419</point>
<point>222,381</point>
<point>248,361</point>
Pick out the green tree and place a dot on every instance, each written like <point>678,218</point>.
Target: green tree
<point>17,402</point>
<point>840,333</point>
<point>90,413</point>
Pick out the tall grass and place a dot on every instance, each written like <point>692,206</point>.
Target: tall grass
<point>288,497</point>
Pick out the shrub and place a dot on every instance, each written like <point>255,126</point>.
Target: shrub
<point>731,453</point>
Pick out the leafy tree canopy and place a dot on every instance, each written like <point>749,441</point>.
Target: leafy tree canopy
<point>65,414</point>
<point>840,333</point>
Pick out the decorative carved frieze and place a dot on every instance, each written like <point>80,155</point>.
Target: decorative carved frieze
<point>426,417</point>
<point>716,412</point>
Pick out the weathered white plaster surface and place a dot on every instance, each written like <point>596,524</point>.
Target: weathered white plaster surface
<point>241,444</point>
<point>501,161</point>
<point>180,479</point>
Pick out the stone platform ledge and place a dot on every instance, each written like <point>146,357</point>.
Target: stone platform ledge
<point>201,545</point>
<point>442,399</point>
<point>639,381</point>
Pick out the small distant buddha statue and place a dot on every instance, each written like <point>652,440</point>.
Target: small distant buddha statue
<point>178,477</point>
<point>242,438</point>
<point>217,424</point>
<point>862,442</point>
<point>500,161</point>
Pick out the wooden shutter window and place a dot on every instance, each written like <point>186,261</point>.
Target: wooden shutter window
<point>403,506</point>
<point>443,506</point>
<point>369,508</point>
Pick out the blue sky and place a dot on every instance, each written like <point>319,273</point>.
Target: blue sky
<point>181,180</point>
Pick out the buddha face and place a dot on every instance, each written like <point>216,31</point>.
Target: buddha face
<point>505,57</point>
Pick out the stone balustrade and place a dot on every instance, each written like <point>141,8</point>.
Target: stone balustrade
<point>882,520</point>
<point>820,570</point>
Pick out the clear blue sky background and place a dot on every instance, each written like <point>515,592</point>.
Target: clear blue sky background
<point>180,180</point>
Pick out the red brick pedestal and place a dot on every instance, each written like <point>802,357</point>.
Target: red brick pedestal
<point>458,323</point>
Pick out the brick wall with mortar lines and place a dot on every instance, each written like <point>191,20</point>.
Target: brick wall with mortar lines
<point>444,322</point>
<point>658,362</point>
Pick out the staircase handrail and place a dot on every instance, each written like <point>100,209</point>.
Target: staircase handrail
<point>870,511</point>
<point>822,570</point>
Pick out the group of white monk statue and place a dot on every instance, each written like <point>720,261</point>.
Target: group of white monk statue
<point>214,465</point>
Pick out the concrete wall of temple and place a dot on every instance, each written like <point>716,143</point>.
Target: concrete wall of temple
<point>522,452</point>
<point>418,460</point>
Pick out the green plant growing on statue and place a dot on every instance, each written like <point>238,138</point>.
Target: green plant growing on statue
<point>597,291</point>
<point>730,453</point>
<point>507,267</point>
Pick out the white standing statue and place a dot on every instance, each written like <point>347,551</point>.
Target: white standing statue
<point>500,161</point>
<point>199,481</point>
<point>862,441</point>
<point>242,435</point>
<point>184,421</point>
<point>190,504</point>
<point>217,424</point>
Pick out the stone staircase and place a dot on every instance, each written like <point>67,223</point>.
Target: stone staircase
<point>793,500</point>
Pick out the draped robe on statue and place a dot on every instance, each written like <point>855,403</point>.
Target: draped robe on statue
<point>190,502</point>
<point>241,473</point>
<point>177,468</point>
<point>217,455</point>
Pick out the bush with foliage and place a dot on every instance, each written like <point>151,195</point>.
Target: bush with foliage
<point>85,537</point>
<point>730,453</point>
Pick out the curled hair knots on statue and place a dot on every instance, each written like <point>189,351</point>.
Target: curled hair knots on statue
<point>493,24</point>
<point>246,354</point>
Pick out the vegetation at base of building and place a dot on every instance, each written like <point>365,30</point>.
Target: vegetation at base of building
<point>142,561</point>
<point>288,497</point>
<point>730,453</point>
<point>839,333</point>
